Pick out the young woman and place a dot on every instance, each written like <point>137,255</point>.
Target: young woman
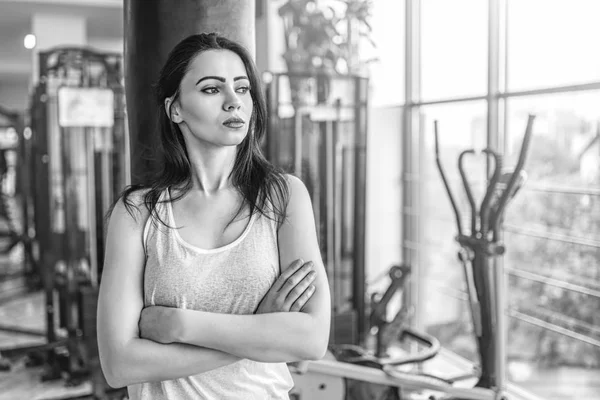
<point>204,294</point>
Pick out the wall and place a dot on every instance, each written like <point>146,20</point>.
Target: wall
<point>14,94</point>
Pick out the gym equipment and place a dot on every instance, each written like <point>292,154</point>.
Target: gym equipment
<point>353,372</point>
<point>387,367</point>
<point>485,283</point>
<point>317,131</point>
<point>79,164</point>
<point>14,198</point>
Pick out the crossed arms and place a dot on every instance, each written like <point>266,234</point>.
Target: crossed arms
<point>193,341</point>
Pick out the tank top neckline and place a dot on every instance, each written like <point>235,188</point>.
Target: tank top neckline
<point>188,245</point>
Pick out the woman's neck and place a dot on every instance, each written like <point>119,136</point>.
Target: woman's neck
<point>211,169</point>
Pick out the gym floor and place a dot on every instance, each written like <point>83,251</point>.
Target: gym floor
<point>23,382</point>
<point>21,310</point>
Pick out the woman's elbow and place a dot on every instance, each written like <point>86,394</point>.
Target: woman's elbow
<point>113,368</point>
<point>317,348</point>
<point>112,371</point>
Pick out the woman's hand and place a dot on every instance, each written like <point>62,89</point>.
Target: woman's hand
<point>160,324</point>
<point>291,291</point>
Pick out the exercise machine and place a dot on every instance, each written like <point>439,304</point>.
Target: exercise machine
<point>355,372</point>
<point>79,163</point>
<point>317,131</point>
<point>14,199</point>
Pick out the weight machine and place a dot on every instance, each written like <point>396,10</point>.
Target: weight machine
<point>78,158</point>
<point>317,131</point>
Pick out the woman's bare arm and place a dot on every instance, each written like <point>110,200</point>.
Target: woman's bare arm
<point>127,359</point>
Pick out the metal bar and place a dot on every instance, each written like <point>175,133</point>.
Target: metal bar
<point>396,378</point>
<point>298,144</point>
<point>359,201</point>
<point>552,327</point>
<point>343,107</point>
<point>22,331</point>
<point>555,89</point>
<point>91,200</point>
<point>553,315</point>
<point>410,148</point>
<point>519,273</point>
<point>503,95</point>
<point>449,100</point>
<point>557,189</point>
<point>552,236</point>
<point>330,206</point>
<point>520,231</point>
<point>338,216</point>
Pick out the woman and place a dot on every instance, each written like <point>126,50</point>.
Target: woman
<point>191,306</point>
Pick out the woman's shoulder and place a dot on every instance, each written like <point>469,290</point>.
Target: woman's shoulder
<point>295,187</point>
<point>133,203</point>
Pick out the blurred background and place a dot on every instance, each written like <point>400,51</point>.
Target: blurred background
<point>354,88</point>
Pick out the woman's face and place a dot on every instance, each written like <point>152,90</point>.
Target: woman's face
<point>215,105</point>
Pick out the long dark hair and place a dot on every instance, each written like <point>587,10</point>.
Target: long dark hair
<point>259,182</point>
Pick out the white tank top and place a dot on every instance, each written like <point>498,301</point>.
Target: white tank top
<point>230,279</point>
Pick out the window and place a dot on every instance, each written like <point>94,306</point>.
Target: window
<point>454,48</point>
<point>552,228</point>
<point>551,43</point>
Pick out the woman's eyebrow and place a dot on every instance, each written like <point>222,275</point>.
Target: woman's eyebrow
<point>220,78</point>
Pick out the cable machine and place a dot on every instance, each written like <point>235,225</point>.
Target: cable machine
<point>78,159</point>
<point>317,131</point>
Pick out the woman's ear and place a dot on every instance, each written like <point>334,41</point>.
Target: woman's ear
<point>172,110</point>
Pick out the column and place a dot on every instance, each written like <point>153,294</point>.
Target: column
<point>152,29</point>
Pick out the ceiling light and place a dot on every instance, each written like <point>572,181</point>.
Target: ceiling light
<point>29,41</point>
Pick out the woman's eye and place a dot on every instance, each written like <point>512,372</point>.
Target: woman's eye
<point>243,89</point>
<point>210,90</point>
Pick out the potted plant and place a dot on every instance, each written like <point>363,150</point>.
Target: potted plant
<point>323,37</point>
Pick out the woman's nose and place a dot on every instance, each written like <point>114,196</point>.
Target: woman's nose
<point>232,102</point>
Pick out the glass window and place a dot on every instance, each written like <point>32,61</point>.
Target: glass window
<point>564,148</point>
<point>453,48</point>
<point>553,247</point>
<point>552,43</point>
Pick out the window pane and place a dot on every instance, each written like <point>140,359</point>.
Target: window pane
<point>551,365</point>
<point>387,71</point>
<point>460,126</point>
<point>444,311</point>
<point>565,144</point>
<point>553,246</point>
<point>552,43</point>
<point>453,48</point>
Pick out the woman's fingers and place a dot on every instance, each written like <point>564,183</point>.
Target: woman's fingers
<point>303,298</point>
<point>293,268</point>
<point>296,278</point>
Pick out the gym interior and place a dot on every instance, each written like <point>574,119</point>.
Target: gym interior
<point>451,150</point>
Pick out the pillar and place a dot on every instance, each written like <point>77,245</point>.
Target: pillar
<point>152,29</point>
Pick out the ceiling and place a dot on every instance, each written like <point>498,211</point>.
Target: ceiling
<point>104,20</point>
